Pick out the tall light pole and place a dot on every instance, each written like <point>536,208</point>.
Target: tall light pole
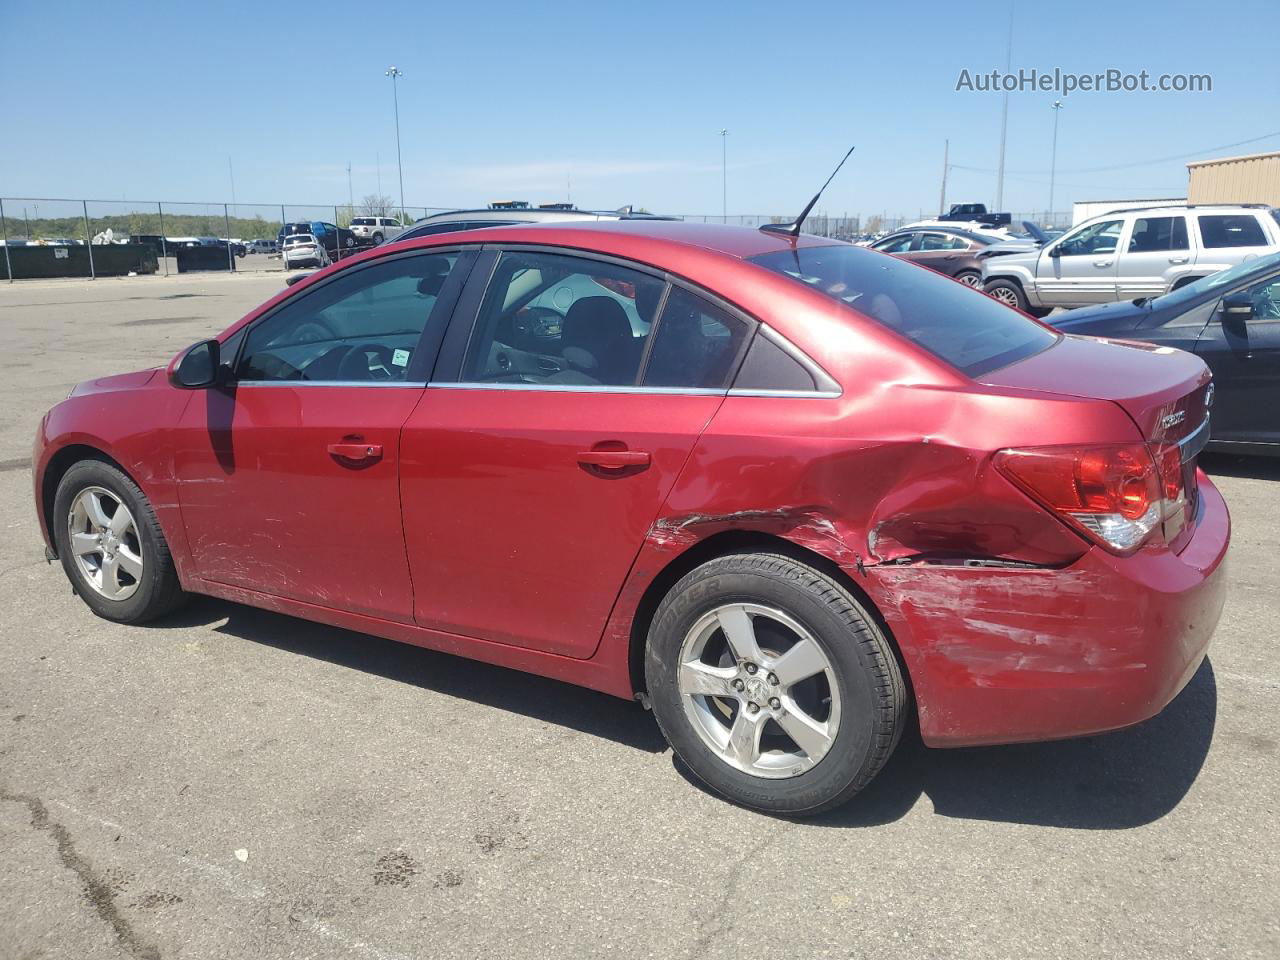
<point>1053,158</point>
<point>394,73</point>
<point>1004,115</point>
<point>724,174</point>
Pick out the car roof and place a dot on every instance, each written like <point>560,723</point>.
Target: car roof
<point>1176,207</point>
<point>734,241</point>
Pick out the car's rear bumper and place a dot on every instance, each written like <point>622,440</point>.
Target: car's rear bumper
<point>1003,655</point>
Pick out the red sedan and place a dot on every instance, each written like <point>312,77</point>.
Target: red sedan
<point>787,490</point>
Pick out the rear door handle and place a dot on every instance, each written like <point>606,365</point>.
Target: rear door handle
<point>1178,259</point>
<point>613,459</point>
<point>356,452</point>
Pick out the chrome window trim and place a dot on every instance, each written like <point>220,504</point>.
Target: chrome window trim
<point>810,394</point>
<point>1195,442</point>
<point>419,384</point>
<point>580,388</point>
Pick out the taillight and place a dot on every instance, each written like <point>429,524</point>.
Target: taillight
<point>1115,494</point>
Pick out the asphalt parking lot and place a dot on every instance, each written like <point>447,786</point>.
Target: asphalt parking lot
<point>234,783</point>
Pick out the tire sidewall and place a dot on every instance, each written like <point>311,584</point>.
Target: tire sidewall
<point>1020,298</point>
<point>95,473</point>
<point>851,753</point>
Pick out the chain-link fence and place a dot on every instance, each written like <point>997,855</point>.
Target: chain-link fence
<point>92,238</point>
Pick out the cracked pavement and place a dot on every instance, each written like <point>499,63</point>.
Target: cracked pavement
<point>390,802</point>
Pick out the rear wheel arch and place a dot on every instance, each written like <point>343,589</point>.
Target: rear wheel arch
<point>1182,282</point>
<point>730,542</point>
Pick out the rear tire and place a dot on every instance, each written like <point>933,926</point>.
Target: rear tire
<point>119,564</point>
<point>800,723</point>
<point>970,278</point>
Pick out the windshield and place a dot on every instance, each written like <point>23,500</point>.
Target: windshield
<point>1222,278</point>
<point>962,326</point>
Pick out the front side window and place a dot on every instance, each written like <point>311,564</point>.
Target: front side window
<point>696,346</point>
<point>363,325</point>
<point>1231,230</point>
<point>1266,300</point>
<point>1157,234</point>
<point>562,320</point>
<point>1092,240</point>
<point>958,324</point>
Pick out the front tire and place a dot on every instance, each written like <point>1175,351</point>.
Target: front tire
<point>1007,292</point>
<point>111,546</point>
<point>773,684</point>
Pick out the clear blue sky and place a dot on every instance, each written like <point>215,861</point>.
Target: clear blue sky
<point>508,99</point>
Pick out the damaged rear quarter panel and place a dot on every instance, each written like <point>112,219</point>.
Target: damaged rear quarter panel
<point>855,480</point>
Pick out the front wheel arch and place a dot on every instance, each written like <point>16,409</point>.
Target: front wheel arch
<point>56,469</point>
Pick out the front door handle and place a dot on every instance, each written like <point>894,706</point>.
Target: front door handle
<point>1103,263</point>
<point>614,459</point>
<point>356,452</point>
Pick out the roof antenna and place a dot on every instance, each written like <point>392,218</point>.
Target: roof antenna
<point>793,229</point>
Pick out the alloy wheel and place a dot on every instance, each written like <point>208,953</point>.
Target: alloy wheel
<point>1005,296</point>
<point>104,541</point>
<point>759,690</point>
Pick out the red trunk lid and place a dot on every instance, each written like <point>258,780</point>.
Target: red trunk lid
<point>1164,390</point>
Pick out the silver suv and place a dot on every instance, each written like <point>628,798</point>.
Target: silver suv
<point>1132,254</point>
<point>376,229</point>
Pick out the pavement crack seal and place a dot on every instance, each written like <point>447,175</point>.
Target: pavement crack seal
<point>96,890</point>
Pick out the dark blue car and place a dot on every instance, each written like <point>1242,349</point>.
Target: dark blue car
<point>1231,320</point>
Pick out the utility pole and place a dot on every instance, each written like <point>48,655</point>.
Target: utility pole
<point>395,74</point>
<point>1004,116</point>
<point>232,172</point>
<point>946,166</point>
<point>724,174</point>
<point>351,195</point>
<point>1053,160</point>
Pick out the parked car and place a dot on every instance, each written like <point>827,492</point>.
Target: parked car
<point>338,241</point>
<point>785,490</point>
<point>304,250</point>
<point>951,251</point>
<point>261,245</point>
<point>1138,252</point>
<point>375,230</point>
<point>1231,320</point>
<point>507,215</point>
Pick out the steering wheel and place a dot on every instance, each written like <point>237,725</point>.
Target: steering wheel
<point>367,361</point>
<point>313,329</point>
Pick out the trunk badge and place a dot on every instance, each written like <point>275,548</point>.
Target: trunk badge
<point>1173,419</point>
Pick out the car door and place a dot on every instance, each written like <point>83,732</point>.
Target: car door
<point>557,422</point>
<point>1156,251</point>
<point>1080,268</point>
<point>1244,356</point>
<point>288,476</point>
<point>940,251</point>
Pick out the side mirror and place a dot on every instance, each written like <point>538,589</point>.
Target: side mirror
<point>197,366</point>
<point>1237,309</point>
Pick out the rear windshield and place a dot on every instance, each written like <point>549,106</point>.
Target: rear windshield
<point>363,222</point>
<point>298,238</point>
<point>962,326</point>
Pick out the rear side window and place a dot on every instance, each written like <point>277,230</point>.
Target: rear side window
<point>768,367</point>
<point>1231,230</point>
<point>697,344</point>
<point>1155,234</point>
<point>962,326</point>
<point>942,241</point>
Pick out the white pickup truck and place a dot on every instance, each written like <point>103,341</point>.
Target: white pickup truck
<point>1132,254</point>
